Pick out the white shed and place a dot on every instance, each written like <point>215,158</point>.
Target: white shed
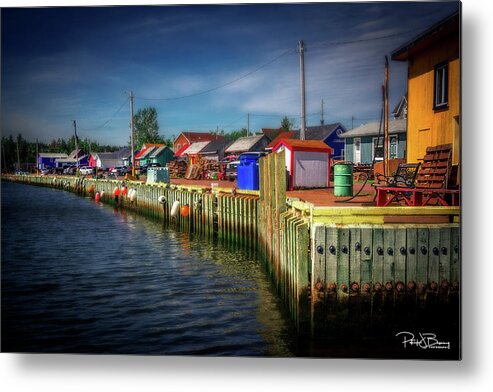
<point>307,162</point>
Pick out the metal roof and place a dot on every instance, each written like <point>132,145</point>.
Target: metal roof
<point>146,152</point>
<point>315,145</point>
<point>195,148</point>
<point>215,146</point>
<point>158,151</point>
<point>371,129</point>
<point>244,143</point>
<point>52,155</point>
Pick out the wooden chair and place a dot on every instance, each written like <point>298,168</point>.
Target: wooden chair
<point>430,183</point>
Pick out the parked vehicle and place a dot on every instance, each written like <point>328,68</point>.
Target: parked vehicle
<point>86,170</point>
<point>119,170</point>
<point>232,170</point>
<point>70,170</point>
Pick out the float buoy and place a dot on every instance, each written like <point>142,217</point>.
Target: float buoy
<point>97,197</point>
<point>185,210</point>
<point>132,195</point>
<point>161,199</point>
<point>116,191</point>
<point>102,193</point>
<point>91,189</point>
<point>175,207</point>
<point>124,190</point>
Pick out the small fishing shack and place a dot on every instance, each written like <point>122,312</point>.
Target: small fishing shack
<point>307,163</point>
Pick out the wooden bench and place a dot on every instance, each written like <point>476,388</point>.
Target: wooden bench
<point>430,183</point>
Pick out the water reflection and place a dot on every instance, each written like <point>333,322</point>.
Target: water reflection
<point>84,277</point>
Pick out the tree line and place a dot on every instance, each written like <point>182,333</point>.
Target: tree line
<point>19,149</point>
<point>146,130</point>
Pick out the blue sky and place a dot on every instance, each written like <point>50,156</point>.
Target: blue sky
<point>61,64</point>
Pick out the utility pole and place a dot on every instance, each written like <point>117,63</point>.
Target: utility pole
<point>37,155</point>
<point>302,88</point>
<point>386,132</point>
<point>352,122</point>
<point>132,131</point>
<point>248,124</point>
<point>76,148</point>
<point>322,114</point>
<point>18,157</point>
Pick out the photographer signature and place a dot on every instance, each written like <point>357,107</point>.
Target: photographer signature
<point>425,340</point>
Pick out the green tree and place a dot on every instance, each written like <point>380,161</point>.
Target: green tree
<point>146,127</point>
<point>234,135</point>
<point>287,124</point>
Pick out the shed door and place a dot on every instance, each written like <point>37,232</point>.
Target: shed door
<point>357,150</point>
<point>310,169</point>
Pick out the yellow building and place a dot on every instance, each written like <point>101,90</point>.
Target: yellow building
<point>433,88</point>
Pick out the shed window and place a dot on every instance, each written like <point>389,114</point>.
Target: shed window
<point>377,148</point>
<point>441,86</point>
<point>393,147</point>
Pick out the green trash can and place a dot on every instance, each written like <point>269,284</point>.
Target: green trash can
<point>343,179</point>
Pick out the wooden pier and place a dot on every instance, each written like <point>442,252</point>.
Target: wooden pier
<point>335,268</point>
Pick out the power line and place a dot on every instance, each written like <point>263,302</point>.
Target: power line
<point>107,121</point>
<point>222,85</point>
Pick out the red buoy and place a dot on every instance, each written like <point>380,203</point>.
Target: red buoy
<point>116,191</point>
<point>97,197</point>
<point>185,210</point>
<point>124,190</point>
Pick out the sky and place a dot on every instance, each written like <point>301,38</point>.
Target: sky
<point>203,67</point>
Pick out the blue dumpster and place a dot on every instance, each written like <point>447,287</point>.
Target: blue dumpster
<point>248,171</point>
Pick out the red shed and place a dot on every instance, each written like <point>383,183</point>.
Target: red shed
<point>307,162</point>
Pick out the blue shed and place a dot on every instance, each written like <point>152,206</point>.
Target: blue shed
<point>330,134</point>
<point>362,144</point>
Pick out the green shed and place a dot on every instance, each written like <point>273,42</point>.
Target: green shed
<point>161,155</point>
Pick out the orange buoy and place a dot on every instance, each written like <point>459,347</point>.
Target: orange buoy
<point>97,197</point>
<point>124,190</point>
<point>116,191</point>
<point>185,210</point>
<point>91,189</point>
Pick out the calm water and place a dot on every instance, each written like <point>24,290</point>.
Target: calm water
<point>82,277</point>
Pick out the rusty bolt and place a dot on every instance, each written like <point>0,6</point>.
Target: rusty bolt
<point>344,249</point>
<point>455,285</point>
<point>443,250</point>
<point>367,250</point>
<point>319,286</point>
<point>436,251</point>
<point>412,250</point>
<point>444,284</point>
<point>424,250</point>
<point>366,287</point>
<point>332,287</point>
<point>332,249</point>
<point>399,287</point>
<point>355,287</point>
<point>320,249</point>
<point>388,286</point>
<point>344,287</point>
<point>390,251</point>
<point>411,285</point>
<point>380,251</point>
<point>403,250</point>
<point>357,246</point>
<point>377,287</point>
<point>433,286</point>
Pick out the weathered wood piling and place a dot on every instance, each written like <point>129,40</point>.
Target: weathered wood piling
<point>335,269</point>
